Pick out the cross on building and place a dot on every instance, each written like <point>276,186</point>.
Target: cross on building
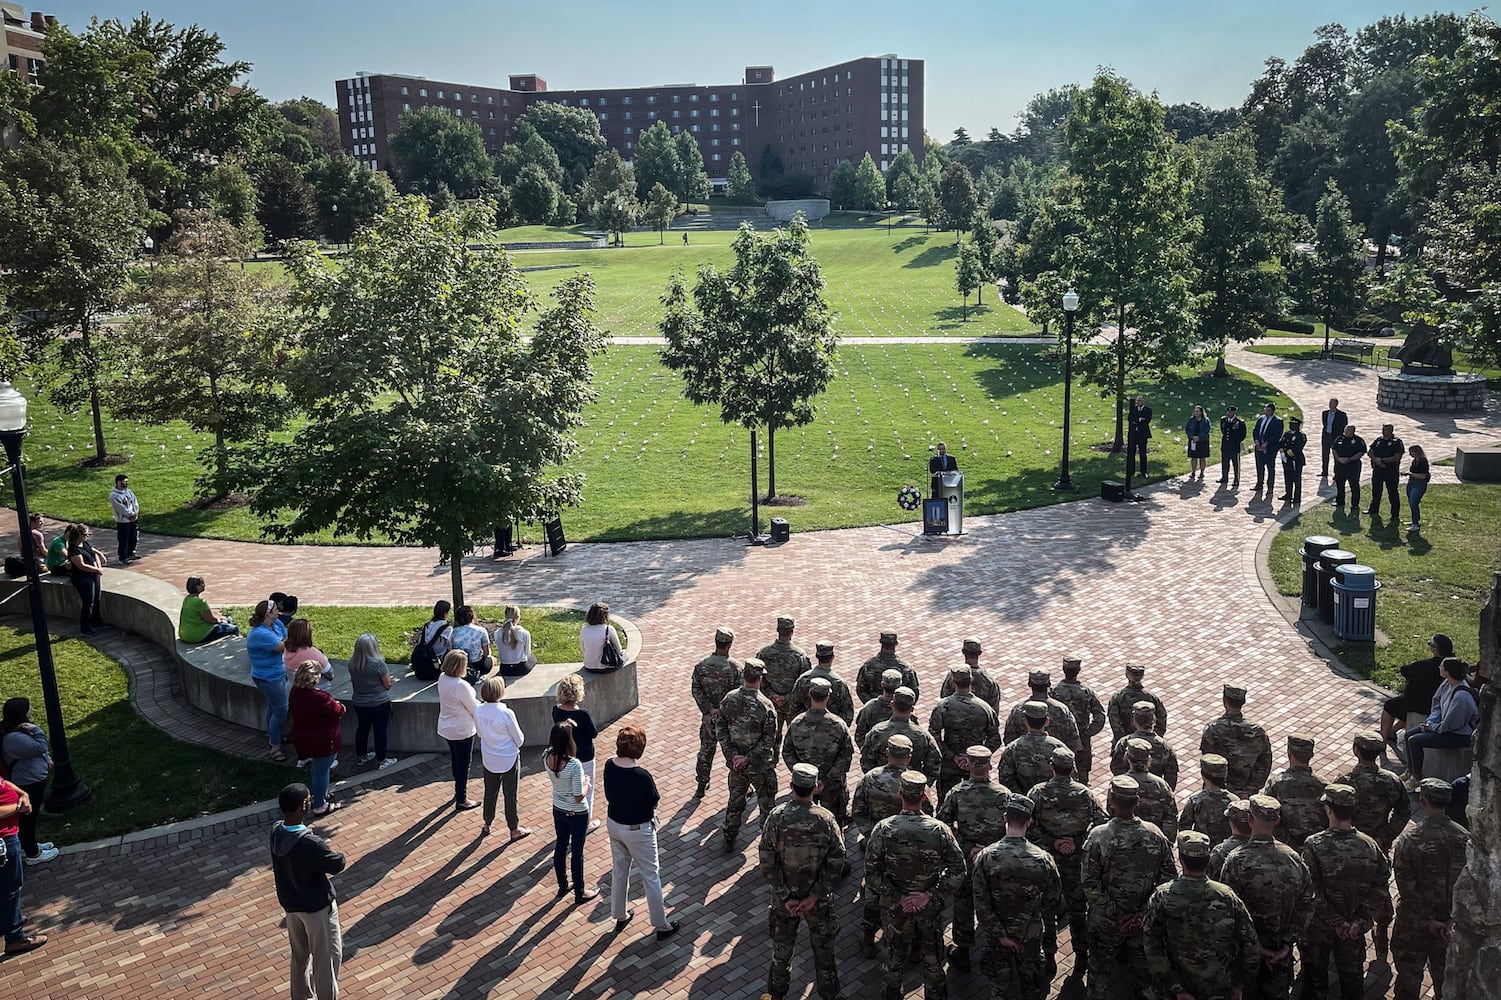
<point>757,109</point>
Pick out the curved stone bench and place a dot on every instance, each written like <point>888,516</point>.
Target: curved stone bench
<point>215,677</point>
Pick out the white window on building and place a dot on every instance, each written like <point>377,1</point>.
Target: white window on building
<point>713,98</point>
<point>693,113</point>
<point>405,106</point>
<point>440,95</point>
<point>735,141</point>
<point>403,92</point>
<point>458,96</point>
<point>583,102</point>
<point>489,98</point>
<point>676,113</point>
<point>353,117</point>
<point>604,116</point>
<point>884,149</point>
<point>713,142</point>
<point>715,157</point>
<point>422,92</point>
<point>625,100</point>
<point>883,131</point>
<point>458,112</point>
<point>629,130</point>
<point>349,84</point>
<point>734,112</point>
<point>714,127</point>
<point>884,165</point>
<point>693,98</point>
<point>695,128</point>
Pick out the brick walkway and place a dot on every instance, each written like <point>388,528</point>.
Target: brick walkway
<point>431,910</point>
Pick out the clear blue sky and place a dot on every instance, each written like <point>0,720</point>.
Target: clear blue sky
<point>984,59</point>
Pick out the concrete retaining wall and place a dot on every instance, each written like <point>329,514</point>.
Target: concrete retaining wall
<point>1430,393</point>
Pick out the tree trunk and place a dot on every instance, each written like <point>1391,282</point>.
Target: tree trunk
<point>1120,382</point>
<point>99,450</point>
<point>964,316</point>
<point>1220,371</point>
<point>1326,338</point>
<point>456,577</point>
<point>661,237</point>
<point>980,294</point>
<point>1381,255</point>
<point>771,462</point>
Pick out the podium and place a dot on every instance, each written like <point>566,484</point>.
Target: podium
<point>948,489</point>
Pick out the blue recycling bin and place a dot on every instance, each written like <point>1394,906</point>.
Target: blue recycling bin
<point>1328,560</point>
<point>1354,591</point>
<point>1313,547</point>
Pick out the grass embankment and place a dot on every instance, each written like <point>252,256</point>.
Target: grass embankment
<point>1313,352</point>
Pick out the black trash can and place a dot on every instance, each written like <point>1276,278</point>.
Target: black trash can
<point>1313,545</point>
<point>1355,588</point>
<point>1328,560</point>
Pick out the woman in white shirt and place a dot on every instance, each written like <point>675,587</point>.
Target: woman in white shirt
<point>513,645</point>
<point>456,705</point>
<point>595,634</point>
<point>570,813</point>
<point>500,741</point>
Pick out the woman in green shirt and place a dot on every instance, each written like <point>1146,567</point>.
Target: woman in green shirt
<point>198,622</point>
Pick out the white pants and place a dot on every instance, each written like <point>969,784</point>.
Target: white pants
<point>635,847</point>
<point>317,950</point>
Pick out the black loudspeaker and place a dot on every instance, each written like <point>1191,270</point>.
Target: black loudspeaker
<point>1113,491</point>
<point>780,531</point>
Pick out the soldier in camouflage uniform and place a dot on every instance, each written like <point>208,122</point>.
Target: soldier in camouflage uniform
<point>747,730</point>
<point>785,663</point>
<point>1089,714</point>
<point>1063,813</point>
<point>1156,804</point>
<point>841,703</point>
<point>1025,761</point>
<point>1351,889</point>
<point>975,811</point>
<point>878,709</point>
<point>1061,724</point>
<point>1238,814</point>
<point>1272,880</point>
<point>1118,712</point>
<point>1204,811</point>
<point>714,677</point>
<point>876,797</point>
<point>1428,857</point>
<point>1241,742</point>
<point>1382,808</point>
<point>1198,937</point>
<point>821,738</point>
<point>1125,860</point>
<point>913,862</point>
<point>1017,893</point>
<point>1299,790</point>
<point>868,678</point>
<point>957,723</point>
<point>1164,760</point>
<point>925,753</point>
<point>983,686</point>
<point>802,853</point>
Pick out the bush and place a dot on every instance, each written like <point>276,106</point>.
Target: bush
<point>1289,324</point>
<point>787,187</point>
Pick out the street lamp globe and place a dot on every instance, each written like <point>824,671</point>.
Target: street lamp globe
<point>1070,301</point>
<point>12,410</point>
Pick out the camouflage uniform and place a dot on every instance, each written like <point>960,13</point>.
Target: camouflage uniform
<point>871,714</point>
<point>1164,762</point>
<point>1382,805</point>
<point>821,739</point>
<point>1198,936</point>
<point>1016,891</point>
<point>1204,812</point>
<point>1428,857</point>
<point>957,723</point>
<point>1274,883</point>
<point>840,702</point>
<point>1061,724</point>
<point>1223,851</point>
<point>983,686</point>
<point>1241,742</point>
<point>1299,791</point>
<point>1066,810</point>
<point>868,677</point>
<point>925,753</point>
<point>876,797</point>
<point>1089,718</point>
<point>1125,860</point>
<point>713,677</point>
<point>802,853</point>
<point>1351,885</point>
<point>747,725</point>
<point>1118,712</point>
<point>910,852</point>
<point>1158,804</point>
<point>976,811</point>
<point>785,663</point>
<point>1024,762</point>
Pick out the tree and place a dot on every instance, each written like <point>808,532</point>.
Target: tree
<point>661,209</point>
<point>844,186</point>
<point>757,340</point>
<point>201,350</point>
<point>904,164</point>
<point>73,222</point>
<point>1336,280</point>
<point>316,120</point>
<point>430,416</point>
<point>967,274</point>
<point>927,204</point>
<point>288,203</point>
<point>771,165</point>
<point>742,185</point>
<point>870,186</point>
<point>361,196</point>
<point>693,180</point>
<point>656,160</point>
<point>528,148</point>
<point>230,192</point>
<point>533,196</point>
<point>573,133</point>
<point>1241,233</point>
<point>987,247</point>
<point>957,195</point>
<point>961,138</point>
<point>609,195</point>
<point>434,148</point>
<point>1194,121</point>
<point>904,192</point>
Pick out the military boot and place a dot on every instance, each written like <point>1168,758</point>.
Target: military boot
<point>959,958</point>
<point>1383,946</point>
<point>703,787</point>
<point>867,944</point>
<point>1078,934</point>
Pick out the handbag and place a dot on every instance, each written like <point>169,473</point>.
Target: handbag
<point>611,656</point>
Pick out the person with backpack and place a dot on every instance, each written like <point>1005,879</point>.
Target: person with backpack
<point>432,643</point>
<point>1451,723</point>
<point>301,863</point>
<point>27,761</point>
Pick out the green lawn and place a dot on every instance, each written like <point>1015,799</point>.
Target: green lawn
<point>141,777</point>
<point>542,234</point>
<point>555,631</point>
<point>1435,581</point>
<point>1315,352</point>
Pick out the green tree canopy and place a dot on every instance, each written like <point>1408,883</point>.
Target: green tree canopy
<point>434,149</point>
<point>967,273</point>
<point>572,132</point>
<point>844,186</point>
<point>534,196</point>
<point>656,159</point>
<point>870,186</point>
<point>956,194</point>
<point>528,148</point>
<point>1335,281</point>
<point>660,209</point>
<point>360,196</point>
<point>693,180</point>
<point>742,185</point>
<point>609,195</point>
<point>288,205</point>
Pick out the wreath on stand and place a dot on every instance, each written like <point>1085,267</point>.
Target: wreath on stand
<point>908,497</point>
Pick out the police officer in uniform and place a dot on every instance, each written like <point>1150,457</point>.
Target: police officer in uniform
<point>1293,460</point>
<point>802,854</point>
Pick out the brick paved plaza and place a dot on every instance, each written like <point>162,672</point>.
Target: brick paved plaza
<point>430,909</point>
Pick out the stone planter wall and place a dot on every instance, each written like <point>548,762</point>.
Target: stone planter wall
<point>1430,393</point>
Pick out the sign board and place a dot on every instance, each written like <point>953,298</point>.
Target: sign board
<point>556,542</point>
<point>935,517</point>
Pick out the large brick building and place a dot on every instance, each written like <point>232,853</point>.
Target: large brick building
<point>23,40</point>
<point>811,121</point>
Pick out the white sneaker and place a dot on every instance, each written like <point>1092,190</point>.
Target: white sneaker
<point>367,758</point>
<point>45,846</point>
<point>334,766</point>
<point>43,856</point>
<point>386,763</point>
<point>302,762</point>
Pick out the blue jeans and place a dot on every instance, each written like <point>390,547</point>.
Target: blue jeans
<point>275,693</point>
<point>1418,741</point>
<point>318,768</point>
<point>11,880</point>
<point>219,631</point>
<point>570,828</point>
<point>1415,490</point>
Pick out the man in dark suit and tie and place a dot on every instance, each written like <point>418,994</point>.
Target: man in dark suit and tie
<point>1332,423</point>
<point>939,464</point>
<point>1267,435</point>
<point>1138,432</point>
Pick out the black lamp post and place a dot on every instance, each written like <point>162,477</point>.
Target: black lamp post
<point>1070,306</point>
<point>68,789</point>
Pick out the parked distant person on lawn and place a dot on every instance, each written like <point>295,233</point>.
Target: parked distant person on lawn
<point>456,705</point>
<point>567,712</point>
<point>632,799</point>
<point>14,804</point>
<point>264,646</point>
<point>122,500</point>
<point>370,680</point>
<point>198,621</point>
<point>38,543</point>
<point>570,814</point>
<point>595,634</point>
<point>513,645</point>
<point>1417,484</point>
<point>1197,430</point>
<point>474,641</point>
<point>299,648</point>
<point>500,741</point>
<point>86,570</point>
<point>28,758</point>
<point>316,718</point>
<point>301,863</point>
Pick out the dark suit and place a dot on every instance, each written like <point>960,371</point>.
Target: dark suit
<point>1291,446</point>
<point>1232,436</point>
<point>940,464</point>
<point>1138,432</point>
<point>1266,433</point>
<point>1331,431</point>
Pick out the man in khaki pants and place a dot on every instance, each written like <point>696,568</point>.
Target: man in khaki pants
<point>302,864</point>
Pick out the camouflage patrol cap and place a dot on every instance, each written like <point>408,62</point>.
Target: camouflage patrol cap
<point>1019,804</point>
<point>804,776</point>
<point>962,674</point>
<point>1369,742</point>
<point>823,649</point>
<point>1039,678</point>
<point>970,647</point>
<point>724,636</point>
<point>786,623</point>
<point>1062,757</point>
<point>1235,694</point>
<point>1071,665</point>
<point>1436,790</point>
<point>979,755</point>
<point>888,635</point>
<point>1135,670</point>
<point>1193,844</point>
<point>1125,788</point>
<point>1214,765</point>
<point>1238,810</point>
<point>900,744</point>
<point>1035,709</point>
<point>1265,808</point>
<point>1339,795</point>
<point>1300,743</point>
<point>819,687</point>
<point>904,696</point>
<point>891,679</point>
<point>1143,707</point>
<point>754,668</point>
<point>914,783</point>
<point>1138,748</point>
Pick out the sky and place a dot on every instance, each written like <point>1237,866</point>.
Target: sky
<point>984,60</point>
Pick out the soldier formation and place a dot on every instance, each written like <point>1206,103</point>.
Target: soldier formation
<point>1226,896</point>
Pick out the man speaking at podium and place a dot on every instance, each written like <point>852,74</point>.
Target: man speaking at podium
<point>939,464</point>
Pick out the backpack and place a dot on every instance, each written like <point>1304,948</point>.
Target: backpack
<point>424,659</point>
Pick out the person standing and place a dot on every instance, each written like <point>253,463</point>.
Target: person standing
<point>1164,760</point>
<point>86,571</point>
<point>1198,937</point>
<point>370,687</point>
<point>1089,714</point>
<point>1061,724</point>
<point>976,813</point>
<point>1386,468</point>
<point>1299,791</point>
<point>1123,705</point>
<point>1274,883</point>
<point>878,709</point>
<point>500,743</point>
<point>14,804</point>
<point>1242,743</point>
<point>1232,438</point>
<point>1064,811</point>
<point>570,812</point>
<point>1265,437</point>
<point>820,738</point>
<point>1197,432</point>
<point>567,712</point>
<point>1291,446</point>
<point>802,856</point>
<point>301,864</point>
<point>876,797</point>
<point>127,511</point>
<point>1350,885</point>
<point>1138,433</point>
<point>264,646</point>
<point>938,465</point>
<point>1417,484</point>
<point>1348,450</point>
<point>1428,858</point>
<point>28,761</point>
<point>785,663</point>
<point>1451,722</point>
<point>456,705</point>
<point>841,702</point>
<point>715,676</point>
<point>747,730</point>
<point>315,731</point>
<point>957,723</point>
<point>868,677</point>
<point>926,757</point>
<point>631,813</point>
<point>1204,811</point>
<point>1025,761</point>
<point>1332,423</point>
<point>982,685</point>
<point>1017,894</point>
<point>1156,803</point>
<point>1238,813</point>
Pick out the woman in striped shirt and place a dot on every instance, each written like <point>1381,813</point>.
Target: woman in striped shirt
<point>570,811</point>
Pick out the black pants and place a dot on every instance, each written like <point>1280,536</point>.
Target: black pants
<point>129,535</point>
<point>1136,445</point>
<point>459,752</point>
<point>1385,479</point>
<point>1292,481</point>
<point>377,718</point>
<point>503,537</point>
<point>1229,459</point>
<point>1348,473</point>
<point>1266,468</point>
<point>570,828</point>
<point>1328,445</point>
<point>88,586</point>
<point>28,821</point>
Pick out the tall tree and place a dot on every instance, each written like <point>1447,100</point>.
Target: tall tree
<point>201,351</point>
<point>904,164</point>
<point>534,196</point>
<point>431,417</point>
<point>966,274</point>
<point>230,191</point>
<point>957,196</point>
<point>656,160</point>
<point>316,120</point>
<point>660,209</point>
<point>609,195</point>
<point>288,204</point>
<point>928,205</point>
<point>573,132</point>
<point>693,180</point>
<point>1336,281</point>
<point>987,244</point>
<point>433,149</point>
<point>870,186</point>
<point>844,187</point>
<point>349,196</point>
<point>757,340</point>
<point>73,222</point>
<point>528,148</point>
<point>742,185</point>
